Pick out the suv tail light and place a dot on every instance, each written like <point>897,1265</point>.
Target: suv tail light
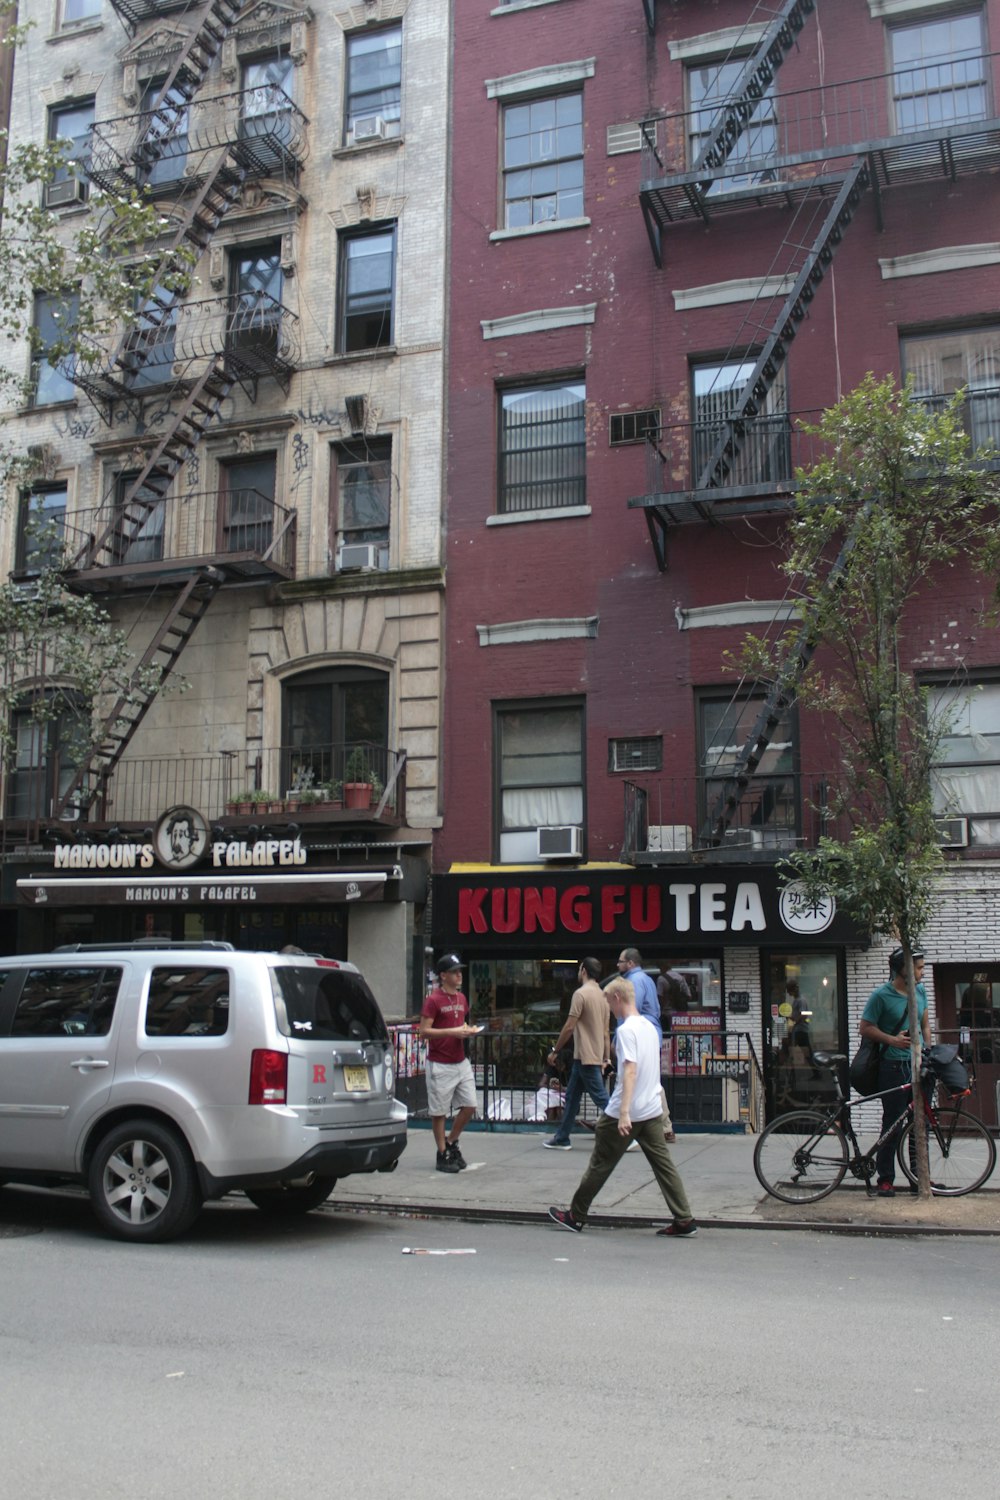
<point>268,1076</point>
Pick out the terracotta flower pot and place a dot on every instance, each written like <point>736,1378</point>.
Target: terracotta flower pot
<point>357,794</point>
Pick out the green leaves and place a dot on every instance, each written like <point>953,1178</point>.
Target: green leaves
<point>895,499</point>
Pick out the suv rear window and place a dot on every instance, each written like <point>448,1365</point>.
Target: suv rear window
<point>326,1005</point>
<point>66,1002</point>
<point>188,1002</point>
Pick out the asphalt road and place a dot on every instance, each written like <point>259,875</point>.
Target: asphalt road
<point>255,1360</point>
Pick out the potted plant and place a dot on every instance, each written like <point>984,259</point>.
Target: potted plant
<point>265,801</point>
<point>242,803</point>
<point>331,794</point>
<point>357,780</point>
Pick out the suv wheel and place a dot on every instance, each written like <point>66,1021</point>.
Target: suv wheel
<point>142,1182</point>
<point>292,1197</point>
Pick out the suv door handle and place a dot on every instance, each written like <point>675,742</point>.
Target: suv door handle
<point>90,1062</point>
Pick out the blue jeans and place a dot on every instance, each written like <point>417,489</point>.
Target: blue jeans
<point>582,1076</point>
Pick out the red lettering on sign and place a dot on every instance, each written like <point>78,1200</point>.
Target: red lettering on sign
<point>540,908</point>
<point>644,907</point>
<point>612,906</point>
<point>506,906</point>
<point>470,909</point>
<point>575,911</point>
<point>319,1072</point>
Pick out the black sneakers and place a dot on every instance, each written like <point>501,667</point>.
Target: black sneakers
<point>679,1229</point>
<point>453,1152</point>
<point>565,1220</point>
<point>446,1162</point>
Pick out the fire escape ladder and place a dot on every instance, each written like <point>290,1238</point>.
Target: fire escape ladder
<point>750,88</point>
<point>752,399</point>
<point>780,696</point>
<point>150,486</point>
<point>179,624</point>
<point>214,196</point>
<point>186,77</point>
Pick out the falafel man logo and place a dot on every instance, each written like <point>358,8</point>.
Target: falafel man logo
<point>181,837</point>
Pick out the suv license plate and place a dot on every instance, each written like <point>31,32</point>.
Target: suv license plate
<point>357,1081</point>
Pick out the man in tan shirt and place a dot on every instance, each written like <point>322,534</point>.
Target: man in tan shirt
<point>588,1025</point>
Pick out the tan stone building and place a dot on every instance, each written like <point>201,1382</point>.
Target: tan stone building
<point>250,479</point>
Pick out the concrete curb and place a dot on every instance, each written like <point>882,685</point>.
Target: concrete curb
<point>467,1215</point>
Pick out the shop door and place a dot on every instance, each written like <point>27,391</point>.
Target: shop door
<point>968,1012</point>
<point>803,1014</point>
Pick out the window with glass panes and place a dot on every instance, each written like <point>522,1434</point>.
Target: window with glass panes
<point>543,161</point>
<point>939,74</point>
<point>48,746</point>
<point>966,777</point>
<point>41,530</point>
<point>71,126</point>
<point>967,359</point>
<point>367,270</point>
<point>765,441</point>
<point>768,813</point>
<point>375,79</point>
<point>752,158</point>
<point>539,773</point>
<point>543,447</point>
<point>327,715</point>
<point>248,490</point>
<point>362,474</point>
<point>53,362</point>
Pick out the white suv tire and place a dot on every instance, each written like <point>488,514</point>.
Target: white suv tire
<point>142,1182</point>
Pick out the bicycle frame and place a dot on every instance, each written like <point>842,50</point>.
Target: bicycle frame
<point>862,1163</point>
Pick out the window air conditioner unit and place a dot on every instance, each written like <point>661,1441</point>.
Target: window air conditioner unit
<point>952,833</point>
<point>355,555</point>
<point>69,190</point>
<point>744,838</point>
<point>372,128</point>
<point>664,838</point>
<point>560,843</point>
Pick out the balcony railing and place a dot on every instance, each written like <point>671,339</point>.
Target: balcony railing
<point>264,130</point>
<point>286,781</point>
<point>255,335</point>
<point>242,530</point>
<point>669,818</point>
<point>771,449</point>
<point>901,117</point>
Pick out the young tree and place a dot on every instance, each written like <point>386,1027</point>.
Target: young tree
<point>896,502</point>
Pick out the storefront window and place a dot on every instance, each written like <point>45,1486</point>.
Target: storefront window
<point>802,1016</point>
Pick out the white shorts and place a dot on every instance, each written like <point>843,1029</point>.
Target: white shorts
<point>450,1086</point>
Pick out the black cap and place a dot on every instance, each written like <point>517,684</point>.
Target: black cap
<point>447,962</point>
<point>897,959</point>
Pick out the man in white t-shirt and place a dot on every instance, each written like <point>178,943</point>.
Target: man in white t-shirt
<point>632,1113</point>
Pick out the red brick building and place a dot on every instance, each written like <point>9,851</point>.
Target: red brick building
<point>679,231</point>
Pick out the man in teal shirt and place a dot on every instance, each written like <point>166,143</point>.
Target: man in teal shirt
<point>885,1020</point>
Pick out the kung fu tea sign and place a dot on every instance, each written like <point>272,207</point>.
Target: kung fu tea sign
<point>734,906</point>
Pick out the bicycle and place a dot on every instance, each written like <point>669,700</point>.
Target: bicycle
<point>803,1156</point>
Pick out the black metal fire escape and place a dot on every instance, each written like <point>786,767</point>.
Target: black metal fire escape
<point>819,171</point>
<point>201,214</point>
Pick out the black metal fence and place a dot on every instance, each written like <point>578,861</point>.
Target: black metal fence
<point>711,1078</point>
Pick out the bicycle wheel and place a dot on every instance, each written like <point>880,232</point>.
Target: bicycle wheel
<point>961,1152</point>
<point>801,1157</point>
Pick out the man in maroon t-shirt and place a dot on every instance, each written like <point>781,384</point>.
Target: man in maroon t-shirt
<point>451,1087</point>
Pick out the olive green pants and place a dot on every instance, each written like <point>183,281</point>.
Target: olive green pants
<point>609,1148</point>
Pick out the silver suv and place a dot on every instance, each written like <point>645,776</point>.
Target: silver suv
<point>162,1074</point>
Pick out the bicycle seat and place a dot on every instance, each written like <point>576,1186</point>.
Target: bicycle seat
<point>827,1059</point>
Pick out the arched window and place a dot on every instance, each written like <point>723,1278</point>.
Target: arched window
<point>335,718</point>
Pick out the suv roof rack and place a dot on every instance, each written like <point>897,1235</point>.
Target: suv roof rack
<point>141,943</point>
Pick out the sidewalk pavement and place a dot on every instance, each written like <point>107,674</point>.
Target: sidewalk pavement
<point>510,1178</point>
